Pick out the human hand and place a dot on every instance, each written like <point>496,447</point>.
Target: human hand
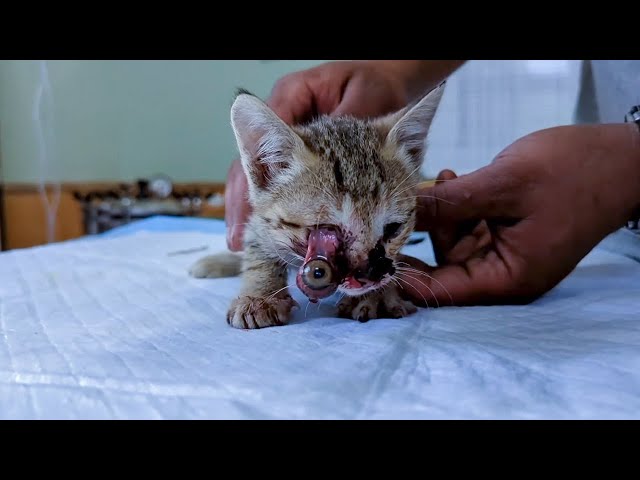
<point>510,232</point>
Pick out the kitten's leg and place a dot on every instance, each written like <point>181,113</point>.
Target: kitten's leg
<point>383,303</point>
<point>264,300</point>
<point>225,264</point>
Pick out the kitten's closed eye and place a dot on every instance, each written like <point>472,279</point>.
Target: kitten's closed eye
<point>284,223</point>
<point>391,230</point>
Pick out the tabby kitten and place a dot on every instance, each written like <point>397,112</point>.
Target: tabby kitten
<point>337,185</point>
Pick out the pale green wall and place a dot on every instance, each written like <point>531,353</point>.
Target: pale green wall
<point>125,119</point>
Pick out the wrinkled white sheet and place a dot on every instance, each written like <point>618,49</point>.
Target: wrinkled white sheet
<point>114,328</point>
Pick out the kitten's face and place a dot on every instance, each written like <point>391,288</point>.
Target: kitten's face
<point>351,180</point>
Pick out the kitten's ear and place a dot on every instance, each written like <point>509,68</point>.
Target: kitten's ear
<point>408,129</point>
<point>265,142</point>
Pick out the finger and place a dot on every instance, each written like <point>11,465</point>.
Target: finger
<point>444,237</point>
<point>364,101</point>
<point>292,100</point>
<point>477,282</point>
<point>456,242</point>
<point>237,208</point>
<point>492,191</point>
<point>469,245</point>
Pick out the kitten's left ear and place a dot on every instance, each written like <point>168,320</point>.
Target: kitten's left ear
<point>267,145</point>
<point>408,129</point>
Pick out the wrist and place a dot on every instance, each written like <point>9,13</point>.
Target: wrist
<point>623,157</point>
<point>634,218</point>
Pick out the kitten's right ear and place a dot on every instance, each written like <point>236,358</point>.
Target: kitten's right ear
<point>265,142</point>
<point>408,129</point>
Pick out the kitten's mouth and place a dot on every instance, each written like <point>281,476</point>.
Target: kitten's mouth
<point>352,287</point>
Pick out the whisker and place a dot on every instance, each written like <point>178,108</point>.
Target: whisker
<point>405,179</point>
<point>396,282</point>
<point>410,187</point>
<point>441,180</point>
<point>325,191</point>
<point>429,277</point>
<point>320,187</point>
<point>319,214</point>
<point>296,261</point>
<point>344,294</point>
<point>425,300</point>
<point>287,262</point>
<point>278,253</point>
<point>413,270</point>
<point>421,185</point>
<point>421,283</point>
<point>428,196</point>
<point>291,250</point>
<point>320,304</point>
<point>266,299</point>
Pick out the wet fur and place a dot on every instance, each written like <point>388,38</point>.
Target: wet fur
<point>358,174</point>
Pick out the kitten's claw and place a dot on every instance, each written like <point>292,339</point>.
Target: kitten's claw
<point>256,312</point>
<point>363,314</point>
<point>376,305</point>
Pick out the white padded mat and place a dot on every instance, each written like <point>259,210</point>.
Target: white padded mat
<point>114,328</point>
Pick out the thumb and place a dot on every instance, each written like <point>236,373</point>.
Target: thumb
<point>486,193</point>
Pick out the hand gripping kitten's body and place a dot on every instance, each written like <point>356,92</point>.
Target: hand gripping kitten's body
<point>352,179</point>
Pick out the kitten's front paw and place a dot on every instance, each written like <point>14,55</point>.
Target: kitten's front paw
<point>256,312</point>
<point>376,305</point>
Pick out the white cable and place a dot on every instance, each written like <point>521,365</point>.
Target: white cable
<point>46,149</point>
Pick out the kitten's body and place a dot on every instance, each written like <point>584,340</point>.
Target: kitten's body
<point>355,176</point>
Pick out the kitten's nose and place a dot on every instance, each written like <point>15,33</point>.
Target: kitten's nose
<point>376,272</point>
<point>379,264</point>
<point>371,274</point>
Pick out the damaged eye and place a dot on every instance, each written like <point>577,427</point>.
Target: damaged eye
<point>317,274</point>
<point>391,230</point>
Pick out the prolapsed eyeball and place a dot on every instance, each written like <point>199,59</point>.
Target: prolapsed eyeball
<point>317,274</point>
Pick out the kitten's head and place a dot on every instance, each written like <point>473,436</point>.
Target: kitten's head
<point>348,182</point>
